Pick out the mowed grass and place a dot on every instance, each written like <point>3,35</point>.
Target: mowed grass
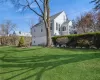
<point>38,63</point>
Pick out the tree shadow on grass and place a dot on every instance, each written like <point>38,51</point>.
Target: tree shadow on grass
<point>16,50</point>
<point>13,71</point>
<point>44,62</point>
<point>81,49</point>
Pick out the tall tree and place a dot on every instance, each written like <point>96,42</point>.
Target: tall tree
<point>98,21</point>
<point>97,4</point>
<point>43,11</point>
<point>89,22</point>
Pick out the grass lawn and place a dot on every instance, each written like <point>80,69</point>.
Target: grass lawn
<point>39,63</point>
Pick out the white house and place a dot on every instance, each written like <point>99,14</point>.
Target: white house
<point>60,25</point>
<point>19,33</point>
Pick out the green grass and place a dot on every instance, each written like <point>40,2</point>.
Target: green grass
<point>39,63</point>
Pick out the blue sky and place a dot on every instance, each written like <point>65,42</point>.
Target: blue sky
<point>73,8</point>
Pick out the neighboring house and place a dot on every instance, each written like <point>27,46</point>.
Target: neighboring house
<point>60,25</point>
<point>19,33</point>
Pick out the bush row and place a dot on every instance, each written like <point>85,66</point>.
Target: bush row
<point>14,40</point>
<point>88,40</point>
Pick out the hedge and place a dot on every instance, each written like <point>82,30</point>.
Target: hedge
<point>87,40</point>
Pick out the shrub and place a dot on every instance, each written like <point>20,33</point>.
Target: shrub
<point>62,41</point>
<point>21,42</point>
<point>97,41</point>
<point>83,43</point>
<point>4,40</point>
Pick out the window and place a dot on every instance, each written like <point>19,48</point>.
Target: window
<point>57,26</point>
<point>51,26</point>
<point>41,30</point>
<point>64,28</point>
<point>34,41</point>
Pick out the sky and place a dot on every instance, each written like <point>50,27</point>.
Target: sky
<point>73,8</point>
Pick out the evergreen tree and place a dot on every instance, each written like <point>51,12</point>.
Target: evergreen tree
<point>21,42</point>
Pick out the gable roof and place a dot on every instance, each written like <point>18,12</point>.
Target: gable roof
<point>66,23</point>
<point>55,15</point>
<point>51,18</point>
<point>36,24</point>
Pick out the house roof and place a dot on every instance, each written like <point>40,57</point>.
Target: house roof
<point>51,18</point>
<point>36,24</point>
<point>66,23</point>
<point>56,15</point>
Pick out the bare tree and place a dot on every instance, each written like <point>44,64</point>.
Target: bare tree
<point>1,29</point>
<point>7,27</point>
<point>89,22</point>
<point>43,12</point>
<point>98,20</point>
<point>84,23</point>
<point>80,23</point>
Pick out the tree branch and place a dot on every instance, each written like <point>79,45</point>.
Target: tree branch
<point>39,6</point>
<point>34,11</point>
<point>42,1</point>
<point>28,5</point>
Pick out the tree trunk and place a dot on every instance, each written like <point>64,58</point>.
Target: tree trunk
<point>48,29</point>
<point>47,23</point>
<point>48,37</point>
<point>48,34</point>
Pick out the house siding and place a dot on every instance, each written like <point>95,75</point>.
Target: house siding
<point>39,38</point>
<point>39,41</point>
